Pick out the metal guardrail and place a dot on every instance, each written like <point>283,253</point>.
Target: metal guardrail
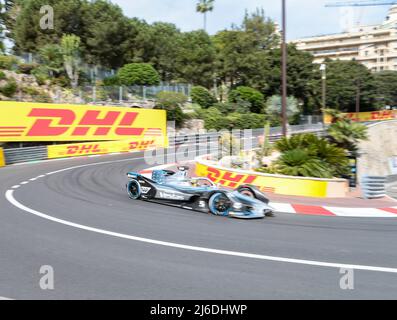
<point>30,154</point>
<point>373,187</point>
<point>20,155</point>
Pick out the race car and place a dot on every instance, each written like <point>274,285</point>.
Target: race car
<point>198,194</point>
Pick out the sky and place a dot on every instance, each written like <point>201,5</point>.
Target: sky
<point>305,17</point>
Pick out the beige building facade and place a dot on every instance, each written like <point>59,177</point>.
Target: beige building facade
<point>374,46</point>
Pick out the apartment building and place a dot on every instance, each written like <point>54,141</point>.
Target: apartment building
<point>374,46</point>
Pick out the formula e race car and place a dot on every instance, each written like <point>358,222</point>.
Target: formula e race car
<point>198,194</point>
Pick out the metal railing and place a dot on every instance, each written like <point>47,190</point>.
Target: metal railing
<point>39,153</point>
<point>21,155</point>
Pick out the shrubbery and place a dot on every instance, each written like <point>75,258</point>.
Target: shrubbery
<point>138,74</point>
<point>111,81</point>
<point>8,62</point>
<point>254,98</point>
<point>202,97</point>
<point>228,107</point>
<point>9,89</point>
<point>172,102</point>
<point>215,119</point>
<point>310,156</point>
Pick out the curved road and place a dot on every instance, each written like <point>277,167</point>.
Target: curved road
<point>124,261</point>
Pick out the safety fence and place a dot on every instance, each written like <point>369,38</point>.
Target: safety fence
<point>21,155</point>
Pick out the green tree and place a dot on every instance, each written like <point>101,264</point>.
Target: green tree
<point>25,28</point>
<point>70,46</point>
<point>254,98</point>
<point>344,80</point>
<point>386,87</point>
<point>273,108</point>
<point>202,97</point>
<point>105,34</point>
<point>205,6</point>
<point>302,74</point>
<point>138,74</point>
<point>242,52</point>
<point>161,48</point>
<point>195,58</point>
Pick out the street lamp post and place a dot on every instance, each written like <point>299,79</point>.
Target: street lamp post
<point>284,70</point>
<point>323,69</point>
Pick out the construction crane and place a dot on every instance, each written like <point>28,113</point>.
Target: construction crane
<point>361,3</point>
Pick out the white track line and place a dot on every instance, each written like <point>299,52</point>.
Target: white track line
<point>10,197</point>
<point>12,200</point>
<point>3,298</point>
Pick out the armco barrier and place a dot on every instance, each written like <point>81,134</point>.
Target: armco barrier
<point>2,160</point>
<point>374,187</point>
<point>20,155</point>
<point>278,184</point>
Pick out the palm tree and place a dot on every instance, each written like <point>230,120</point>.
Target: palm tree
<point>204,6</point>
<point>301,163</point>
<point>347,135</point>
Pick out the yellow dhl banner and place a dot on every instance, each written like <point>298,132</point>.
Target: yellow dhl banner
<point>367,116</point>
<point>277,185</point>
<point>20,121</point>
<point>93,148</point>
<point>2,160</point>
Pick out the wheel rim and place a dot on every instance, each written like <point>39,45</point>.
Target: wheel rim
<point>134,189</point>
<point>220,204</point>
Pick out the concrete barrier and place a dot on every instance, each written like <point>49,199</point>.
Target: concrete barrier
<point>269,183</point>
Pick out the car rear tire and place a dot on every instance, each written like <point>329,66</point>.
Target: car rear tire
<point>220,204</point>
<point>134,190</point>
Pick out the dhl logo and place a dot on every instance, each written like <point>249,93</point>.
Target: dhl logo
<point>229,179</point>
<point>143,145</point>
<point>234,180</point>
<point>373,116</point>
<point>44,122</point>
<point>95,148</point>
<point>57,122</point>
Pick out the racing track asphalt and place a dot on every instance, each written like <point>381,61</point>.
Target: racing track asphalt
<point>90,265</point>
